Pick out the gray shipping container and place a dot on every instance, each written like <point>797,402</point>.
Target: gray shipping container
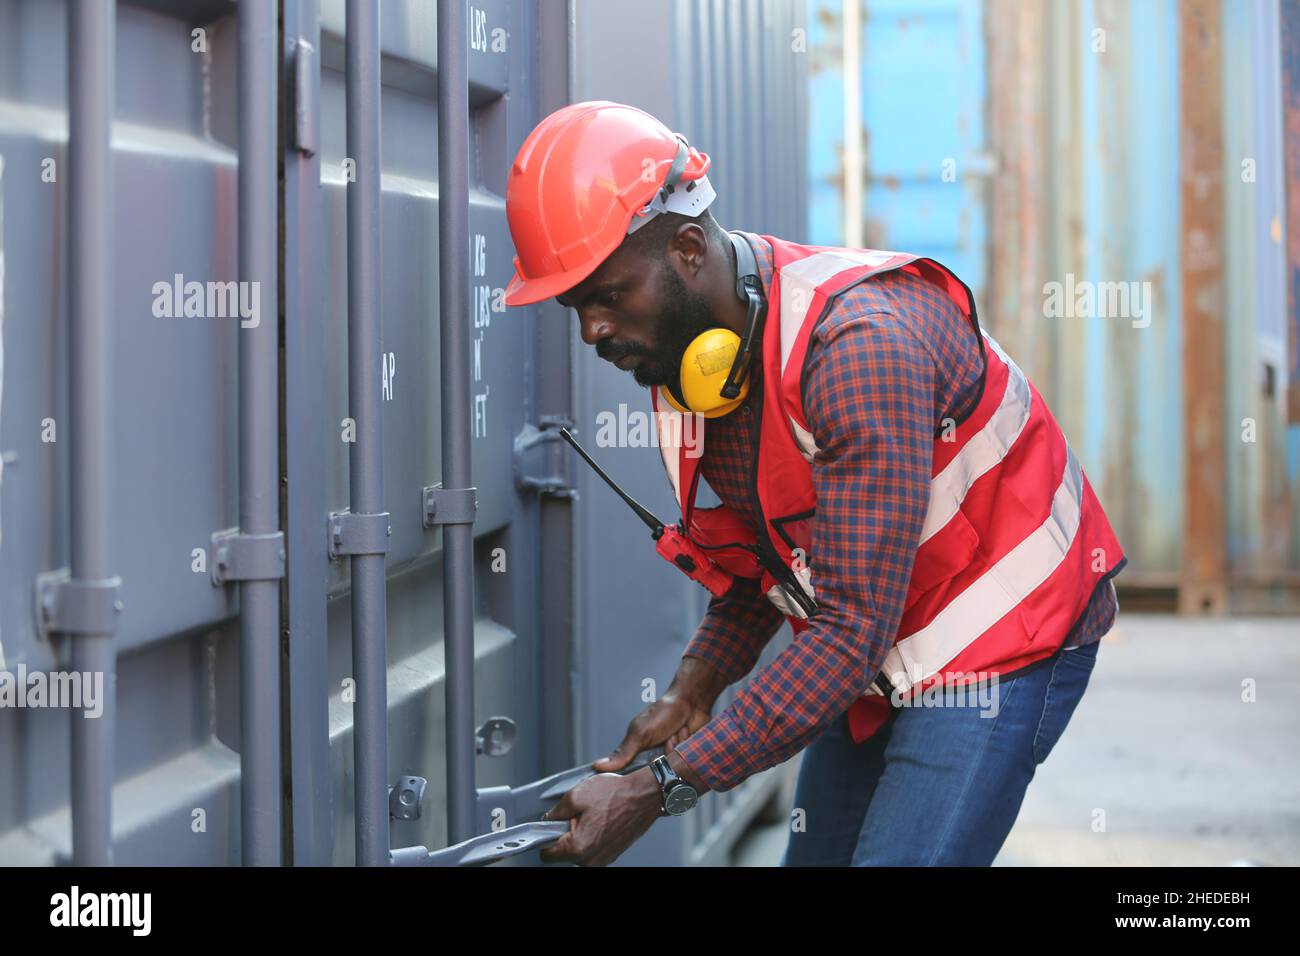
<point>572,611</point>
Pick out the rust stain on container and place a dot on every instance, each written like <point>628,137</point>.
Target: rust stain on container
<point>1203,586</point>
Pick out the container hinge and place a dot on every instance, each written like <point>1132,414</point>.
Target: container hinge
<point>65,606</point>
<point>246,557</point>
<point>306,106</point>
<point>543,460</point>
<point>449,505</point>
<point>358,534</point>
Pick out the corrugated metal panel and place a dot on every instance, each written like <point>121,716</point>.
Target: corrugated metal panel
<point>1084,117</point>
<point>181,418</point>
<point>1085,195</point>
<point>826,126</point>
<point>1263,481</point>
<point>1117,199</point>
<point>1289,41</point>
<point>925,179</point>
<point>174,213</point>
<point>174,444</point>
<point>1095,189</point>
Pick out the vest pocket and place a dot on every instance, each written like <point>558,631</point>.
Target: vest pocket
<point>944,556</point>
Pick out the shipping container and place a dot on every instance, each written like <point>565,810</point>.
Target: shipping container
<point>1140,156</point>
<point>317,588</point>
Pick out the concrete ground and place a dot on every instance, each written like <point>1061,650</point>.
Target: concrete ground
<point>1164,763</point>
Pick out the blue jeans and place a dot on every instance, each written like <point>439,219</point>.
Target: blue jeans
<point>936,785</point>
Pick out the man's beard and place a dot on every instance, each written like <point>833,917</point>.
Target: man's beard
<point>686,314</point>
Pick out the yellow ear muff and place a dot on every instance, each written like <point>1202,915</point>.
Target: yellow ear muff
<point>705,365</point>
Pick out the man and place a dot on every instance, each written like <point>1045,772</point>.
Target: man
<point>891,484</point>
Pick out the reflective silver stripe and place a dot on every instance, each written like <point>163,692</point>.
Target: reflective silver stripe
<point>804,439</point>
<point>784,602</point>
<point>820,266</point>
<point>982,452</point>
<point>799,281</point>
<point>995,593</point>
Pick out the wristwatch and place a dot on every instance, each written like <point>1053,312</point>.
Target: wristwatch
<point>678,795</point>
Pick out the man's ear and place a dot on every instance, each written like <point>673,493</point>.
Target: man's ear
<point>690,246</point>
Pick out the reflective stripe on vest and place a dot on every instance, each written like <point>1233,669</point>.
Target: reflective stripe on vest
<point>996,593</point>
<point>983,452</point>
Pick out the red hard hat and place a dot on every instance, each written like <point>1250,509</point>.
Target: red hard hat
<point>576,185</point>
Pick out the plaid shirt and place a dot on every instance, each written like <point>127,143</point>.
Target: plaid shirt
<point>890,360</point>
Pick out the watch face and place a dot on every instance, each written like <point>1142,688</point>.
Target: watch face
<point>681,799</point>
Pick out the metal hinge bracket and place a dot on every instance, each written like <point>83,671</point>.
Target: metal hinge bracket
<point>449,505</point>
<point>65,606</point>
<point>358,534</point>
<point>306,104</point>
<point>543,460</point>
<point>246,557</point>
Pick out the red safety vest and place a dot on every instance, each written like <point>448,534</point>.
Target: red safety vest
<point>1014,540</point>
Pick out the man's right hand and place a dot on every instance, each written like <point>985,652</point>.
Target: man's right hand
<point>684,708</point>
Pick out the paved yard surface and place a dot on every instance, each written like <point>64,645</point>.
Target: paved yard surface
<point>1185,772</point>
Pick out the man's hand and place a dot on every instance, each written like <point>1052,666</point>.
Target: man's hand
<point>607,813</point>
<point>684,708</point>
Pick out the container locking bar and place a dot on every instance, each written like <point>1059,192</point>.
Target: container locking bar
<point>485,848</point>
<point>533,799</point>
<point>524,803</point>
<point>246,557</point>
